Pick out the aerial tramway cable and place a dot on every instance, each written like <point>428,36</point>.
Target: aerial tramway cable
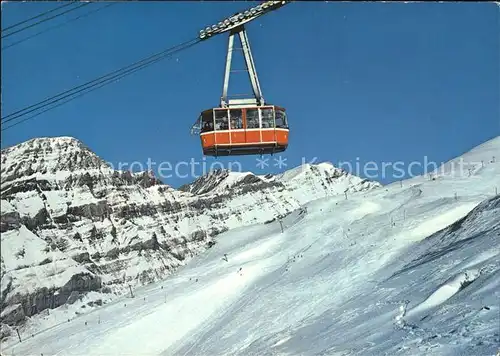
<point>37,16</point>
<point>94,84</point>
<point>88,13</point>
<point>44,20</point>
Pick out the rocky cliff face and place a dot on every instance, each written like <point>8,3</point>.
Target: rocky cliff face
<point>70,224</point>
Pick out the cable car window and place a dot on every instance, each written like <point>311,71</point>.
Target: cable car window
<point>267,118</point>
<point>207,121</point>
<point>221,120</point>
<point>252,118</point>
<point>236,119</point>
<point>281,119</point>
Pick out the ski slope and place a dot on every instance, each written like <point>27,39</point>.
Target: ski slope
<point>381,272</point>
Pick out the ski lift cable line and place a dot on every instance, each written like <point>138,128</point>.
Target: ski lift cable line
<point>106,79</point>
<point>222,27</point>
<point>117,74</point>
<point>100,84</point>
<point>44,20</point>
<point>37,16</point>
<point>59,25</point>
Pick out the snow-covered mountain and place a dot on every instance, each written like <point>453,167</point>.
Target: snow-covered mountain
<point>409,269</point>
<point>72,227</point>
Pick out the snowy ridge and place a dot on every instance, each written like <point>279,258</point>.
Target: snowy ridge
<point>220,181</point>
<point>319,180</point>
<point>406,270</point>
<point>468,164</point>
<point>474,159</point>
<point>72,225</point>
<point>303,183</point>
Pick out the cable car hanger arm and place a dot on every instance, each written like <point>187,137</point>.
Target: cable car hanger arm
<point>252,72</point>
<point>241,18</point>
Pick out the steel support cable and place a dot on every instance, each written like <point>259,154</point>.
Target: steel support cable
<point>97,81</point>
<point>37,16</point>
<point>158,57</point>
<point>59,25</point>
<point>44,20</point>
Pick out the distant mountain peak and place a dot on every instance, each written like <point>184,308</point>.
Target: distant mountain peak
<point>48,158</point>
<point>219,180</point>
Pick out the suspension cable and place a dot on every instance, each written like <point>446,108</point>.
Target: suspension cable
<point>95,84</point>
<point>44,20</point>
<point>37,16</point>
<point>59,25</point>
<point>96,81</point>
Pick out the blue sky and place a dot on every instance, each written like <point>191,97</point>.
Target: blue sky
<point>381,82</point>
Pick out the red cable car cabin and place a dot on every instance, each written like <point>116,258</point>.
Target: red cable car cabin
<point>242,126</point>
<point>243,130</point>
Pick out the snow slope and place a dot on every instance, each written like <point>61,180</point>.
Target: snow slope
<point>72,225</point>
<point>411,270</point>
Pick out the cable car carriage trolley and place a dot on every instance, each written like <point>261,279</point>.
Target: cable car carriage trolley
<point>242,126</point>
